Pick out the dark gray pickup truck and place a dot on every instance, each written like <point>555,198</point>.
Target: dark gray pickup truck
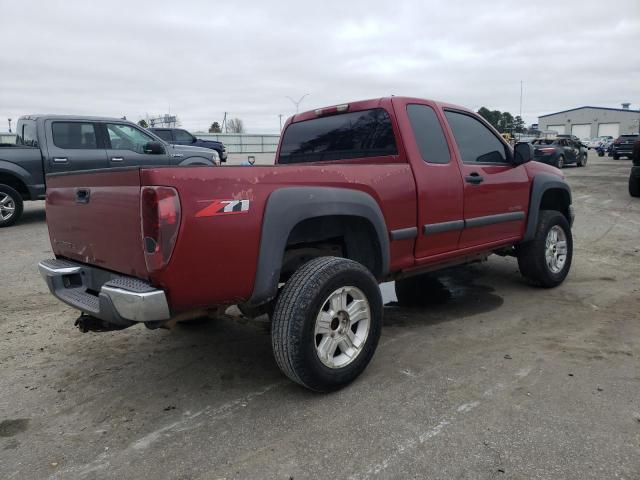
<point>60,143</point>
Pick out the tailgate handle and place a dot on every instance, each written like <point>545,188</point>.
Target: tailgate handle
<point>82,195</point>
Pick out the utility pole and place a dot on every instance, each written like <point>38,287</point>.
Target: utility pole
<point>223,127</point>
<point>520,105</point>
<point>297,104</point>
<point>279,116</point>
<point>10,125</point>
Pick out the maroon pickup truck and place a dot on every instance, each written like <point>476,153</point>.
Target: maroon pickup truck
<point>361,193</point>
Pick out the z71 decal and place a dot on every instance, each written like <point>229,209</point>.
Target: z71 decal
<point>224,207</point>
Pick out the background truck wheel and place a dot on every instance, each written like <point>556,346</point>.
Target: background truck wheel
<point>616,157</point>
<point>545,261</point>
<point>560,162</point>
<point>10,206</point>
<point>634,186</point>
<point>326,323</point>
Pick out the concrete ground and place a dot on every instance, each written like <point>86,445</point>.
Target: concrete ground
<point>501,380</point>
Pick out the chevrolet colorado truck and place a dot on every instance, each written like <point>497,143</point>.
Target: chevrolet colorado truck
<point>63,143</point>
<point>361,193</point>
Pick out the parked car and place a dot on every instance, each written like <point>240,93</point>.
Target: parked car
<point>559,151</point>
<point>623,146</point>
<point>362,193</point>
<point>179,136</point>
<point>634,176</point>
<point>61,143</point>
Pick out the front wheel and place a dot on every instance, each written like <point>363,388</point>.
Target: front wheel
<point>634,186</point>
<point>583,160</point>
<point>545,261</point>
<point>327,323</point>
<point>10,206</point>
<point>560,162</point>
<point>616,157</point>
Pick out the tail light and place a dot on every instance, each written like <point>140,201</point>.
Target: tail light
<point>160,216</point>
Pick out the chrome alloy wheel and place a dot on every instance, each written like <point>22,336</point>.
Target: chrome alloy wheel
<point>7,206</point>
<point>342,327</point>
<point>555,249</point>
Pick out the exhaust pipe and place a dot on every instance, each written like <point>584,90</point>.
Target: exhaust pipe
<point>87,323</point>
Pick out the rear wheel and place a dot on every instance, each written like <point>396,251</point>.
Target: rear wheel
<point>11,206</point>
<point>545,261</point>
<point>560,162</point>
<point>616,157</point>
<point>327,323</point>
<point>634,186</point>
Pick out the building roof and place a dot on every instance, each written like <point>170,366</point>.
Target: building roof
<point>595,108</point>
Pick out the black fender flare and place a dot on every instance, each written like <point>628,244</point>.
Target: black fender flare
<point>22,175</point>
<point>541,183</point>
<point>286,207</point>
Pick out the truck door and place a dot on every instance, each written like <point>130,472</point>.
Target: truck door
<point>496,192</point>
<point>128,146</point>
<point>437,176</point>
<point>73,145</point>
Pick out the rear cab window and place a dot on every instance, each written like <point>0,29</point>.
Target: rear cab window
<point>429,135</point>
<point>365,133</point>
<point>27,134</point>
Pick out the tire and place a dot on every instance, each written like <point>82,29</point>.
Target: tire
<point>11,206</point>
<point>583,160</point>
<point>297,337</point>
<point>616,157</point>
<point>560,161</point>
<point>532,256</point>
<point>601,153</point>
<point>634,186</point>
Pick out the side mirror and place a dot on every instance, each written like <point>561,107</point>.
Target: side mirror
<point>522,153</point>
<point>155,148</point>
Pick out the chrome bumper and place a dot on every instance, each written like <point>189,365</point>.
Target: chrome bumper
<point>120,300</point>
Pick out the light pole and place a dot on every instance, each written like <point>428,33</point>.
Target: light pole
<point>280,117</point>
<point>9,125</point>
<point>297,104</point>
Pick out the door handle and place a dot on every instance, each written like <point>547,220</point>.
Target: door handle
<point>60,160</point>
<point>474,178</point>
<point>117,159</point>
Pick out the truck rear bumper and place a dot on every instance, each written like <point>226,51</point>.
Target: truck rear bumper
<point>105,295</point>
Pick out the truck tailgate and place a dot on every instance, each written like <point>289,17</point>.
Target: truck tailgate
<point>94,218</point>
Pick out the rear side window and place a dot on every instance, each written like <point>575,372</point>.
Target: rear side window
<point>476,143</point>
<point>163,134</point>
<point>74,135</point>
<point>366,133</point>
<point>429,135</point>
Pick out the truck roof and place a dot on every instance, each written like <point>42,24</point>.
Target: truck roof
<point>371,103</point>
<point>70,117</point>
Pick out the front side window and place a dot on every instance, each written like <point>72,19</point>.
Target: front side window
<point>126,137</point>
<point>183,136</point>
<point>429,135</point>
<point>74,135</point>
<point>476,143</point>
<point>367,133</point>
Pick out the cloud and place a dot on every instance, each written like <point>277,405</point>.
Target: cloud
<point>200,59</point>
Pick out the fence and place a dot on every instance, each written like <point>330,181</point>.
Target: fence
<point>244,142</point>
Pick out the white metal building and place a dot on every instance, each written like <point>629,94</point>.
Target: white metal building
<point>589,122</point>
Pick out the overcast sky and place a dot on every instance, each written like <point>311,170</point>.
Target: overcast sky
<point>202,58</point>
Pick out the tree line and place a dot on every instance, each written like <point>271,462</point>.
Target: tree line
<point>504,122</point>
<point>234,125</point>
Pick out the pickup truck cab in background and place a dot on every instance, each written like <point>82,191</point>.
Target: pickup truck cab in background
<point>179,136</point>
<point>64,143</point>
<point>361,193</point>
